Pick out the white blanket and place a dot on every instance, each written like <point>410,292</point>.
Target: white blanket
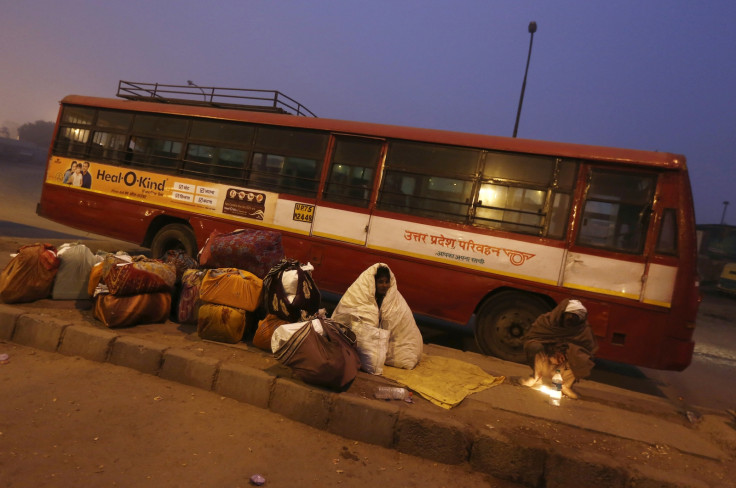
<point>358,306</point>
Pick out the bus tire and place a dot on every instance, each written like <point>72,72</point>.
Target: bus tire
<point>174,237</point>
<point>502,322</point>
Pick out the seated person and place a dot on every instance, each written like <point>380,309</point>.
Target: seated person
<point>561,339</point>
<point>374,300</point>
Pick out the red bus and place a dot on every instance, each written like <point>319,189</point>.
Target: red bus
<point>481,231</point>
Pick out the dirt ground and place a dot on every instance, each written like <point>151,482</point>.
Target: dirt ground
<point>140,390</point>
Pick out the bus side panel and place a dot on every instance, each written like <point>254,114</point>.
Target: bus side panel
<point>99,214</point>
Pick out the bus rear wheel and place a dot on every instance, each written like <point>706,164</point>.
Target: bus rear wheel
<point>503,321</point>
<point>174,237</point>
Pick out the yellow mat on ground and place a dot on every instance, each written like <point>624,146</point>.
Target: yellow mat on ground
<point>443,381</point>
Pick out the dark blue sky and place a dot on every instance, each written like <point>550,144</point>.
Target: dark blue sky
<point>655,75</point>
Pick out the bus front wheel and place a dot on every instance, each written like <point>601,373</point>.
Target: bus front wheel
<point>503,321</point>
<point>174,237</point>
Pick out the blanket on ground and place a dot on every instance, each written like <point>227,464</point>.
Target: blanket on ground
<point>443,381</point>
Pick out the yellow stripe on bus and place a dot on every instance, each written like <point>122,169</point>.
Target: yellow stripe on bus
<point>455,263</point>
<point>658,303</point>
<point>339,238</point>
<point>603,291</point>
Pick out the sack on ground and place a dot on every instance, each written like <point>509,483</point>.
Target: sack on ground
<point>290,292</point>
<point>143,275</point>
<point>181,261</point>
<point>232,287</point>
<point>72,278</point>
<point>102,267</point>
<point>255,251</point>
<point>328,360</point>
<point>125,311</point>
<point>221,323</point>
<point>265,330</point>
<point>189,301</point>
<point>372,345</point>
<point>29,275</point>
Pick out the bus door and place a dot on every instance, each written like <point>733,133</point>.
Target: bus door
<point>607,253</point>
<point>343,213</point>
<point>664,263</point>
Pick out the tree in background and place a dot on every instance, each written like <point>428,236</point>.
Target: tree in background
<point>38,133</point>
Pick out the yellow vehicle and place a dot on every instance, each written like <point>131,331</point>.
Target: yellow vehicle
<point>727,281</point>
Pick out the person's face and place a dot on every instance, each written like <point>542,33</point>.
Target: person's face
<point>571,319</point>
<point>85,167</point>
<point>383,283</point>
<point>74,167</point>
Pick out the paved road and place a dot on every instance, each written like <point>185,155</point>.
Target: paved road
<point>66,421</point>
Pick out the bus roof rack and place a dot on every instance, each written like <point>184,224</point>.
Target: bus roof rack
<point>210,96</point>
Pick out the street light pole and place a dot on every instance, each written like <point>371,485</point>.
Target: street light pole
<point>532,30</point>
<point>191,83</point>
<point>723,215</point>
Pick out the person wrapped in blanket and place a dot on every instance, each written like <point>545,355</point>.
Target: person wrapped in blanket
<point>561,339</point>
<point>382,321</point>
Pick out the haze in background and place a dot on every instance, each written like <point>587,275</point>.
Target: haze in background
<point>655,75</point>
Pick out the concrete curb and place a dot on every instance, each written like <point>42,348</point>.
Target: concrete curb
<point>528,462</point>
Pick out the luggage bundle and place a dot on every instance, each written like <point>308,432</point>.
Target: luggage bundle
<point>72,279</point>
<point>320,352</point>
<point>226,296</point>
<point>138,290</point>
<point>289,295</point>
<point>255,251</point>
<point>183,262</point>
<point>189,302</point>
<point>30,274</point>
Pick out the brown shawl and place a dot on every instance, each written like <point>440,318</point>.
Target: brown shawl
<point>550,329</point>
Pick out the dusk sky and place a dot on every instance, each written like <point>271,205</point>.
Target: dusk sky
<point>656,74</point>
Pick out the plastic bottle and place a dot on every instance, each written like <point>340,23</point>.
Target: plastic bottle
<point>391,393</point>
<point>555,395</point>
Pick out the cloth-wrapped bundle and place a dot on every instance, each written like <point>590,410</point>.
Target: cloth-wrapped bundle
<point>325,357</point>
<point>255,251</point>
<point>29,276</point>
<point>232,287</point>
<point>265,330</point>
<point>221,323</point>
<point>143,275</point>
<point>189,301</point>
<point>72,278</point>
<point>181,261</point>
<point>124,311</point>
<point>289,291</point>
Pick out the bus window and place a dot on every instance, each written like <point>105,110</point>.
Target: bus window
<point>210,160</point>
<point>72,142</point>
<point>78,116</point>
<point>108,146</point>
<point>667,240</point>
<point>559,215</point>
<point>534,170</point>
<point>288,160</point>
<point>230,163</point>
<point>160,126</point>
<point>159,153</point>
<point>616,211</point>
<point>515,190</point>
<point>230,133</point>
<point>511,208</point>
<point>114,120</point>
<point>429,180</point>
<point>353,166</point>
